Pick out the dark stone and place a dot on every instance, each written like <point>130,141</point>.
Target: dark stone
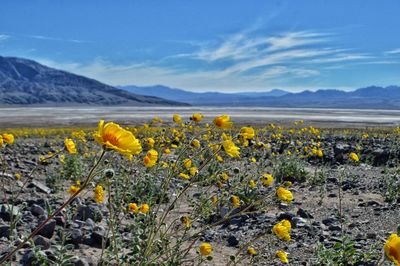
<point>92,211</point>
<point>334,228</point>
<point>304,214</point>
<point>75,236</point>
<point>5,230</point>
<point>80,262</point>
<point>48,229</point>
<point>7,211</point>
<point>285,216</point>
<point>37,210</point>
<point>232,241</point>
<point>41,241</point>
<point>329,221</point>
<point>98,238</point>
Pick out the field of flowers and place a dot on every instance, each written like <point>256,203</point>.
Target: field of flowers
<point>187,192</point>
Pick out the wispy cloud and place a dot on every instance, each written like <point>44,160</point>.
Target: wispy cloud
<point>240,62</point>
<point>4,37</point>
<point>242,46</point>
<point>395,51</point>
<point>47,38</point>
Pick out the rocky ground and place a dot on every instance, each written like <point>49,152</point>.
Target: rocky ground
<point>363,194</point>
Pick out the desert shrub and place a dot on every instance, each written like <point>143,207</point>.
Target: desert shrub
<point>290,169</point>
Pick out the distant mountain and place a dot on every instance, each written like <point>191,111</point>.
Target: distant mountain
<point>372,97</point>
<point>26,82</point>
<point>201,98</point>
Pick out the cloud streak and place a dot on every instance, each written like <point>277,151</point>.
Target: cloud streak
<point>240,62</point>
<point>4,37</point>
<point>47,38</point>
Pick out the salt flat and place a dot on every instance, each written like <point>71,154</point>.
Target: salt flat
<point>65,116</point>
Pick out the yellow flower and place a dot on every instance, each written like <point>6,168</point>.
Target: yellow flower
<point>284,194</point>
<point>193,171</point>
<point>214,199</point>
<point>392,249</point>
<point>225,176</point>
<point>247,132</point>
<point>252,183</point>
<point>17,176</point>
<point>320,153</point>
<point>282,230</point>
<point>205,249</point>
<point>70,146</point>
<point>230,148</point>
<point>177,118</point>
<point>197,117</point>
<point>133,207</point>
<point>195,143</point>
<point>114,137</point>
<point>185,220</point>
<point>353,156</point>
<point>251,251</point>
<point>187,163</point>
<point>282,255</point>
<point>74,188</point>
<point>219,158</point>
<point>151,158</point>
<point>99,194</point>
<point>223,122</point>
<point>1,141</point>
<point>184,176</point>
<point>150,142</point>
<point>144,208</point>
<point>167,151</point>
<point>267,179</point>
<point>8,138</point>
<point>235,200</point>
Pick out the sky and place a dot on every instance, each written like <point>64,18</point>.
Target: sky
<point>208,45</point>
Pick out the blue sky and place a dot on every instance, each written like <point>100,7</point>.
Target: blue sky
<point>211,45</point>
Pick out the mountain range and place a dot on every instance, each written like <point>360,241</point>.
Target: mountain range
<point>201,98</point>
<point>26,82</point>
<point>372,97</point>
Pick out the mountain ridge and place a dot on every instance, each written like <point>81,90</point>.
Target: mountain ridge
<point>371,97</point>
<point>26,82</point>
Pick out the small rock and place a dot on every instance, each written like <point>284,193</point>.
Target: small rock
<point>42,187</point>
<point>5,230</point>
<point>299,222</point>
<point>37,210</point>
<point>75,236</point>
<point>80,262</point>
<point>98,237</point>
<point>48,229</point>
<point>41,241</point>
<point>91,211</point>
<point>329,221</point>
<point>232,241</point>
<point>285,216</point>
<point>7,211</point>
<point>334,228</point>
<point>304,214</point>
<point>371,235</point>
